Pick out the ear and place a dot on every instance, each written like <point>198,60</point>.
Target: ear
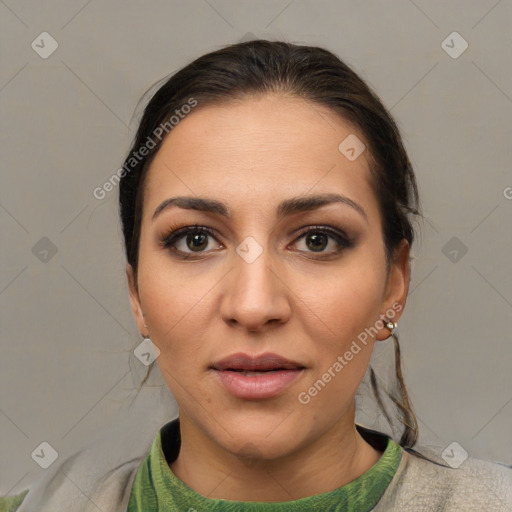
<point>397,287</point>
<point>135,300</point>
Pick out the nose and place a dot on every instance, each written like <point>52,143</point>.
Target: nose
<point>255,293</point>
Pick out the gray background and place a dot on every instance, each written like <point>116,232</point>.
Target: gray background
<point>66,373</point>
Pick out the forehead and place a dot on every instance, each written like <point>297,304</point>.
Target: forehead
<point>259,150</point>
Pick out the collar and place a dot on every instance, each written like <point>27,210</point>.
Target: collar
<point>157,488</point>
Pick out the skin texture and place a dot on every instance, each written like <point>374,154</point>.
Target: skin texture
<point>304,305</point>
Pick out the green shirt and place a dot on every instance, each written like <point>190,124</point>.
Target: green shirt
<point>157,489</point>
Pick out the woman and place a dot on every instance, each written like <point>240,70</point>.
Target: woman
<point>266,208</point>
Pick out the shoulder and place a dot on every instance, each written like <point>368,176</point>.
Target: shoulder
<point>99,475</point>
<point>73,485</point>
<point>420,485</point>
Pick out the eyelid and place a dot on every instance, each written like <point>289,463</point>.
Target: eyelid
<point>324,228</point>
<point>176,233</point>
<point>340,237</point>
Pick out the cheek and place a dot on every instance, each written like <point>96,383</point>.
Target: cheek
<point>170,302</point>
<point>348,300</point>
<point>179,313</point>
<point>345,307</point>
<point>170,317</point>
<point>342,344</point>
<point>169,292</point>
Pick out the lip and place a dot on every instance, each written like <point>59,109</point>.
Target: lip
<point>267,361</point>
<point>275,374</point>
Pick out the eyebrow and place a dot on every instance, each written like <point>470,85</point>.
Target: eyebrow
<point>285,208</point>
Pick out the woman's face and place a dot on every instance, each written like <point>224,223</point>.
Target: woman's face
<point>273,277</point>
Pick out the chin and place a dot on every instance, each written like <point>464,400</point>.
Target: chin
<point>259,435</point>
<point>261,448</point>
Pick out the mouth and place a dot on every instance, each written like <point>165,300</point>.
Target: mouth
<point>254,373</point>
<point>256,378</point>
<point>262,363</point>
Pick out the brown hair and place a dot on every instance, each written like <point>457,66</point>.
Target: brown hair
<point>317,75</point>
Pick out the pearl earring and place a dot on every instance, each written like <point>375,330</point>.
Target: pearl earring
<point>391,326</point>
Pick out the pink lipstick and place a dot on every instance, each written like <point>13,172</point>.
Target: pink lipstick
<point>256,377</point>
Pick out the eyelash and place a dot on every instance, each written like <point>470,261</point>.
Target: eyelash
<point>175,233</point>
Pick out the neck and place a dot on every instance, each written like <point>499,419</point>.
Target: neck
<point>336,458</point>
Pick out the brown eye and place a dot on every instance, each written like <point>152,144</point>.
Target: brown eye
<point>188,240</point>
<point>197,241</point>
<point>317,239</point>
